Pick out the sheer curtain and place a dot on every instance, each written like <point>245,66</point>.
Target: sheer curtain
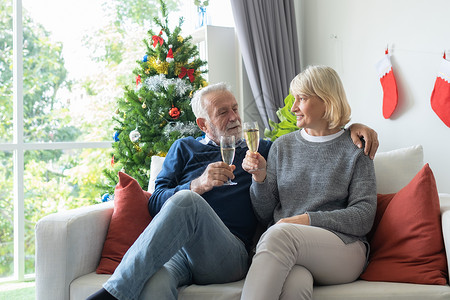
<point>267,36</point>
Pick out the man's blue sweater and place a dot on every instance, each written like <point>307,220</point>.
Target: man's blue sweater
<point>186,160</point>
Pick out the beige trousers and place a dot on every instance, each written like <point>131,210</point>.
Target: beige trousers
<point>291,258</point>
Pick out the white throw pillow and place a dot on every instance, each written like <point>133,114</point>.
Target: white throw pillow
<point>395,169</point>
<point>155,168</point>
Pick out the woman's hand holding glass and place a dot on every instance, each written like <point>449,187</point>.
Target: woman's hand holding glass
<point>255,164</point>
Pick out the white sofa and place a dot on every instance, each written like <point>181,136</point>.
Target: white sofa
<point>69,245</point>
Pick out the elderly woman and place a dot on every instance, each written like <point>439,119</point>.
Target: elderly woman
<point>317,192</point>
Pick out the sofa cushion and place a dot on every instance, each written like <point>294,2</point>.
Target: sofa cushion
<point>395,169</point>
<point>130,217</point>
<point>88,284</point>
<point>155,168</point>
<point>406,239</point>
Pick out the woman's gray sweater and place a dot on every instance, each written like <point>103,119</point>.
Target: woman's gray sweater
<point>333,181</point>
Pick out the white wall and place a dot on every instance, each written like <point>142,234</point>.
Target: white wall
<point>351,36</point>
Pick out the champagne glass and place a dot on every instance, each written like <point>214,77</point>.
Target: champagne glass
<point>251,135</point>
<point>227,149</point>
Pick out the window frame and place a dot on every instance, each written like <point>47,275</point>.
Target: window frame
<point>18,148</point>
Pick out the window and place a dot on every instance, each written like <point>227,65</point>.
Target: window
<point>6,78</point>
<point>57,101</point>
<point>6,214</point>
<point>56,106</point>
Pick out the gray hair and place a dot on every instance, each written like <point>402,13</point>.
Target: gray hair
<point>198,100</point>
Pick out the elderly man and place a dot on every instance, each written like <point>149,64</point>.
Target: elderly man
<point>202,230</point>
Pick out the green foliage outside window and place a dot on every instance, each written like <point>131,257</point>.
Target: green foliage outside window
<point>44,73</point>
<point>55,179</point>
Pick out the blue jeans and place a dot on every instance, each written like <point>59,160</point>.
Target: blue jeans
<point>185,243</point>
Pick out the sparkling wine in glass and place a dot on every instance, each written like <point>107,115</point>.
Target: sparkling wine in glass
<point>251,135</point>
<point>227,149</point>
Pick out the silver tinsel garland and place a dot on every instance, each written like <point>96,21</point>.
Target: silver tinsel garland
<point>185,129</point>
<point>156,82</point>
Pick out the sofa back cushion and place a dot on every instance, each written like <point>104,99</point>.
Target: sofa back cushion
<point>395,169</point>
<point>155,168</point>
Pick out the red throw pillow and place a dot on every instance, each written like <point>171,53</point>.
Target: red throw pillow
<point>406,240</point>
<point>383,201</point>
<point>130,217</point>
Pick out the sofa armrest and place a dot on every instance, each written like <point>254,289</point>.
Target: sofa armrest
<point>445,218</point>
<point>69,245</point>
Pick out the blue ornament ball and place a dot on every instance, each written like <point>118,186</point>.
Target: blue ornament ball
<point>105,197</point>
<point>116,136</point>
<point>145,58</point>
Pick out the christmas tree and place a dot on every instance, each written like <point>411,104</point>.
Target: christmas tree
<point>155,111</point>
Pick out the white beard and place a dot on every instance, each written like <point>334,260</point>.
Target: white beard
<point>215,133</point>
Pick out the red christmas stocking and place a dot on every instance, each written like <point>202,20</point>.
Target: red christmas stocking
<point>387,79</point>
<point>440,98</point>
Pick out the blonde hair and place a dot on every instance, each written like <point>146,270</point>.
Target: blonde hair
<point>324,82</point>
